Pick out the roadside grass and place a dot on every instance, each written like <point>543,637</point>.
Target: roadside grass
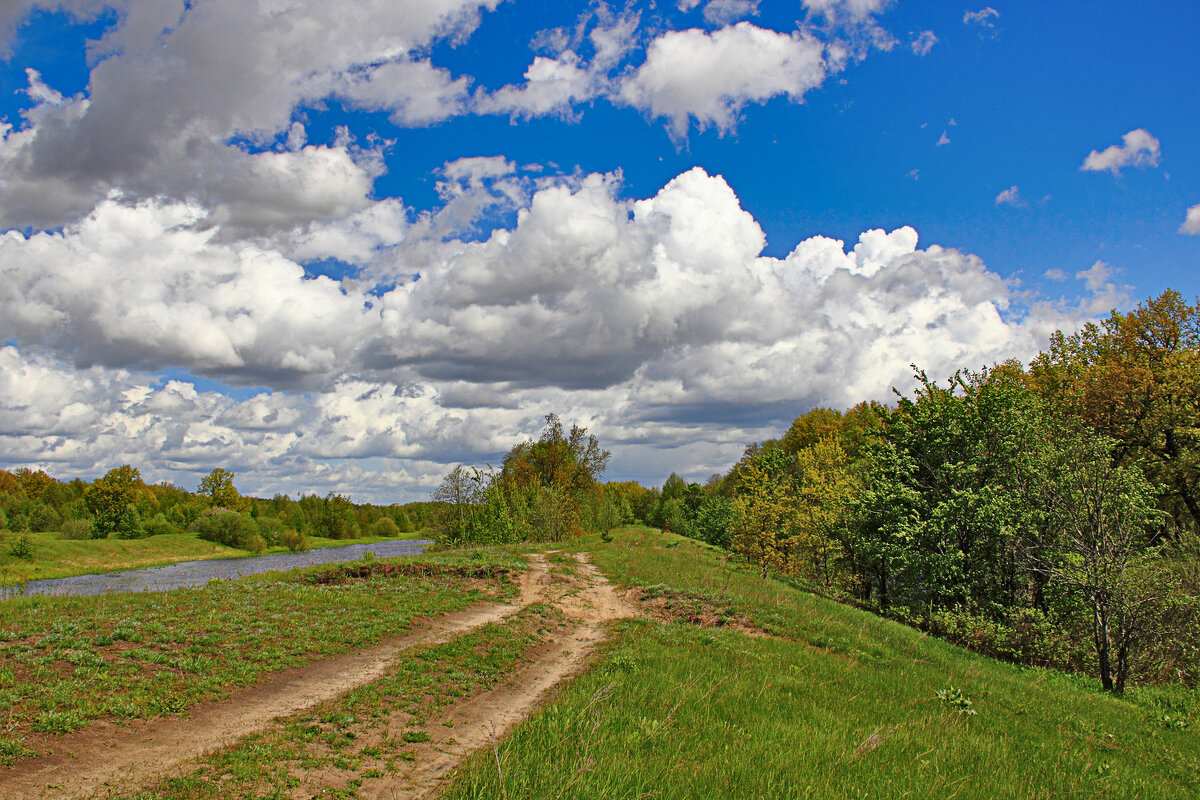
<point>838,703</point>
<point>54,557</point>
<point>340,746</point>
<point>66,661</point>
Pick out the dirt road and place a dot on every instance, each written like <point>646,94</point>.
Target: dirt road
<point>107,759</point>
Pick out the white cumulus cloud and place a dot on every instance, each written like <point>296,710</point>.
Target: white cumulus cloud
<point>1010,196</point>
<point>1191,223</point>
<point>655,321</point>
<point>710,77</point>
<point>1138,149</point>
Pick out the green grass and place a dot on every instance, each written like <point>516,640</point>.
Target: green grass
<point>60,558</point>
<point>838,703</point>
<point>347,739</point>
<point>65,661</point>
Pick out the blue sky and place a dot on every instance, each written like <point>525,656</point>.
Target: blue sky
<point>627,215</point>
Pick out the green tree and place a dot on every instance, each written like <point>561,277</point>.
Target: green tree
<point>764,511</point>
<point>1105,518</point>
<point>1136,378</point>
<point>824,492</point>
<point>109,500</point>
<point>218,487</point>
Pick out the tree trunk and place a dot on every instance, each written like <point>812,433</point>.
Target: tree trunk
<point>1103,643</point>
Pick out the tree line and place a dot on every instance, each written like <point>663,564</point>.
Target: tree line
<point>1022,510</point>
<point>121,505</point>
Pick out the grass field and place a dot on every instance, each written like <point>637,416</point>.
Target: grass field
<point>66,661</point>
<point>833,703</point>
<point>54,557</point>
<point>738,687</point>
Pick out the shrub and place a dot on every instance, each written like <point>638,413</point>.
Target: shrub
<point>403,521</point>
<point>228,528</point>
<point>158,525</point>
<point>130,524</point>
<point>75,529</point>
<point>42,517</point>
<point>385,526</point>
<point>270,529</point>
<point>293,540</point>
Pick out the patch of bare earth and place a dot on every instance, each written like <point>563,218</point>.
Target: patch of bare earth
<point>589,602</point>
<point>107,759</point>
<point>668,605</point>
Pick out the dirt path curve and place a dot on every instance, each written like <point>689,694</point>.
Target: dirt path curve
<point>106,757</point>
<point>590,601</point>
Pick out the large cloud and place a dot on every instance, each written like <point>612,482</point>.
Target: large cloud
<point>656,321</point>
<point>174,84</point>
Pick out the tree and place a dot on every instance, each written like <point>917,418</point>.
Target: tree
<point>109,500</point>
<point>764,511</point>
<point>572,461</point>
<point>540,493</point>
<point>1136,378</point>
<point>218,487</point>
<point>1105,517</point>
<point>826,487</point>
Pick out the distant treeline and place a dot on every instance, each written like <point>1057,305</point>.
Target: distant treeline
<point>1045,514</point>
<point>121,505</point>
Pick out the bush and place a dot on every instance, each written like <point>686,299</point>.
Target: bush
<point>714,520</point>
<point>270,529</point>
<point>292,540</point>
<point>403,521</point>
<point>385,526</point>
<point>158,525</point>
<point>228,528</point>
<point>1022,636</point>
<point>75,529</point>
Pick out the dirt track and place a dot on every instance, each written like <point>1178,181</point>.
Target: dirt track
<point>105,758</point>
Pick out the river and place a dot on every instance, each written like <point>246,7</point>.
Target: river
<point>197,573</point>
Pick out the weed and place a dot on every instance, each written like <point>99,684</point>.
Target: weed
<point>58,722</point>
<point>958,702</point>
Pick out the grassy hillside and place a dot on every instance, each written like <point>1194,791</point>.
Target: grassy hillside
<point>833,702</point>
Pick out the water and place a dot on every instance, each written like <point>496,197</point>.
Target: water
<point>197,573</point>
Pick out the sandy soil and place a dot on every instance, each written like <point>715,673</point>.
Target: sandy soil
<point>106,758</point>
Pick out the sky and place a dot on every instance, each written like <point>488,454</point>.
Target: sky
<point>347,246</point>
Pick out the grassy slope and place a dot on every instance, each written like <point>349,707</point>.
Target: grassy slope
<point>59,558</point>
<point>841,704</point>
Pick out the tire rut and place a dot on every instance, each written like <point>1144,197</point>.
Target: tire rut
<point>107,758</point>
